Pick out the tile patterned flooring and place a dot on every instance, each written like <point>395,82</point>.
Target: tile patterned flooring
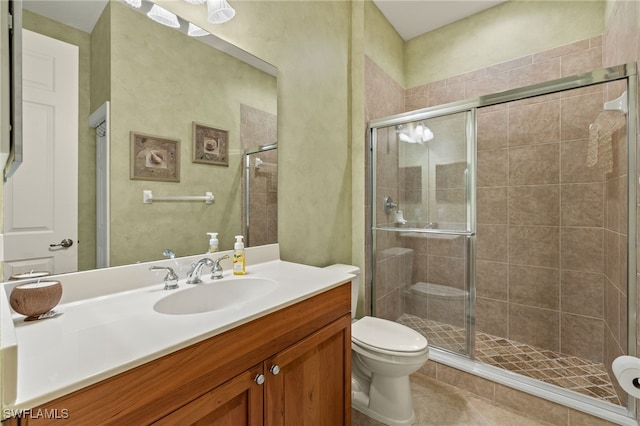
<point>562,370</point>
<point>438,404</point>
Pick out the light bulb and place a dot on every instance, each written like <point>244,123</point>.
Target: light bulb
<point>134,3</point>
<point>163,16</point>
<point>196,31</point>
<point>219,11</point>
<point>427,135</point>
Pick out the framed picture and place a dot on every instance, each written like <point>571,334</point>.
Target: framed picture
<point>154,158</point>
<point>210,145</point>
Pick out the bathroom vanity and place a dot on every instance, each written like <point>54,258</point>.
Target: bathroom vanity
<point>276,359</point>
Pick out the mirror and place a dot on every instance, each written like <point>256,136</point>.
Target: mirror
<point>160,83</point>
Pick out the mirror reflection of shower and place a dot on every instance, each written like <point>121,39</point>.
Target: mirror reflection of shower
<point>260,208</point>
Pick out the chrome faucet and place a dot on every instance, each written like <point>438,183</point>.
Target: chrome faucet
<point>216,271</point>
<point>193,277</point>
<point>170,280</point>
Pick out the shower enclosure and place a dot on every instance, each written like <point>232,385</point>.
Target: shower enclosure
<point>499,229</point>
<point>260,195</point>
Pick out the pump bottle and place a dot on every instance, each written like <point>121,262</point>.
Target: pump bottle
<point>239,263</point>
<point>213,242</point>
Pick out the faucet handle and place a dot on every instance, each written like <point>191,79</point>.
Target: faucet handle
<point>216,271</point>
<point>170,280</point>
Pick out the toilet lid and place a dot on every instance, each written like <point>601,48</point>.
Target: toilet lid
<point>387,335</point>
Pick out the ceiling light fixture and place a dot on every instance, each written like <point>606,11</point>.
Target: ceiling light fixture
<point>219,11</point>
<point>163,16</point>
<point>195,1</point>
<point>196,31</point>
<point>134,3</point>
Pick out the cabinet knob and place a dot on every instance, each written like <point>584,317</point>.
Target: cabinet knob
<point>275,369</point>
<point>259,379</point>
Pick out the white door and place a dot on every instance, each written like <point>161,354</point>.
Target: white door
<point>41,199</point>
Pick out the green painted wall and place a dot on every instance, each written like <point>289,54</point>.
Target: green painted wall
<point>101,60</point>
<point>163,81</point>
<point>502,33</point>
<point>383,44</point>
<point>309,43</point>
<point>316,47</point>
<point>159,82</point>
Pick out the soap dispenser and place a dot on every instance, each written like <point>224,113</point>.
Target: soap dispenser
<point>213,242</point>
<point>239,263</point>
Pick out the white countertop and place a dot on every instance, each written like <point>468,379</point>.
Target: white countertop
<point>98,337</point>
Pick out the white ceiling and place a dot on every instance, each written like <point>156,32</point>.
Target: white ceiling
<point>410,18</point>
<point>80,14</point>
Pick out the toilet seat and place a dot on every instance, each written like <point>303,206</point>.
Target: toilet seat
<point>388,337</point>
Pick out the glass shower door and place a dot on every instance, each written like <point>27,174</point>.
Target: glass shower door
<point>260,195</point>
<point>423,226</point>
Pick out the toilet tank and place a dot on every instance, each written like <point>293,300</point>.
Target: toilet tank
<point>355,283</point>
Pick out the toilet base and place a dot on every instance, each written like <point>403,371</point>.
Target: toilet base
<point>396,402</point>
<point>359,404</point>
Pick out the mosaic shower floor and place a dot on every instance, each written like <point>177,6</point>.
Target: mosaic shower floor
<point>569,372</point>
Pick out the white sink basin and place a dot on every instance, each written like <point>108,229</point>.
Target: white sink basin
<point>217,296</point>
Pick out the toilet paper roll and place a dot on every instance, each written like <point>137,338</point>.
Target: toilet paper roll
<point>627,371</point>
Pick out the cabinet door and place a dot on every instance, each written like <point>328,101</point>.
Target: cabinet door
<point>309,383</point>
<point>235,403</point>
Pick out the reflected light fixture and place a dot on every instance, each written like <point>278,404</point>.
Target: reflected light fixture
<point>219,11</point>
<point>427,135</point>
<point>134,3</point>
<point>195,1</point>
<point>196,31</point>
<point>163,16</point>
<point>424,133</point>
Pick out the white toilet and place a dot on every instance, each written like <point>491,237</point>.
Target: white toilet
<point>383,354</point>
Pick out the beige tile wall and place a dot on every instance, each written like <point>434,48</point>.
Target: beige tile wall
<point>550,230</point>
<point>388,100</point>
<point>605,291</point>
<point>540,209</point>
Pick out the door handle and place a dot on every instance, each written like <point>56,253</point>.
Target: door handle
<point>66,243</point>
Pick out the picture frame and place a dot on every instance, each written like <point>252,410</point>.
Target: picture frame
<point>210,145</point>
<point>155,158</point>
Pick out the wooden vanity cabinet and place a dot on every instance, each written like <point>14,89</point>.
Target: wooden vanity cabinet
<point>305,384</point>
<point>291,367</point>
<point>238,402</point>
<point>302,385</point>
